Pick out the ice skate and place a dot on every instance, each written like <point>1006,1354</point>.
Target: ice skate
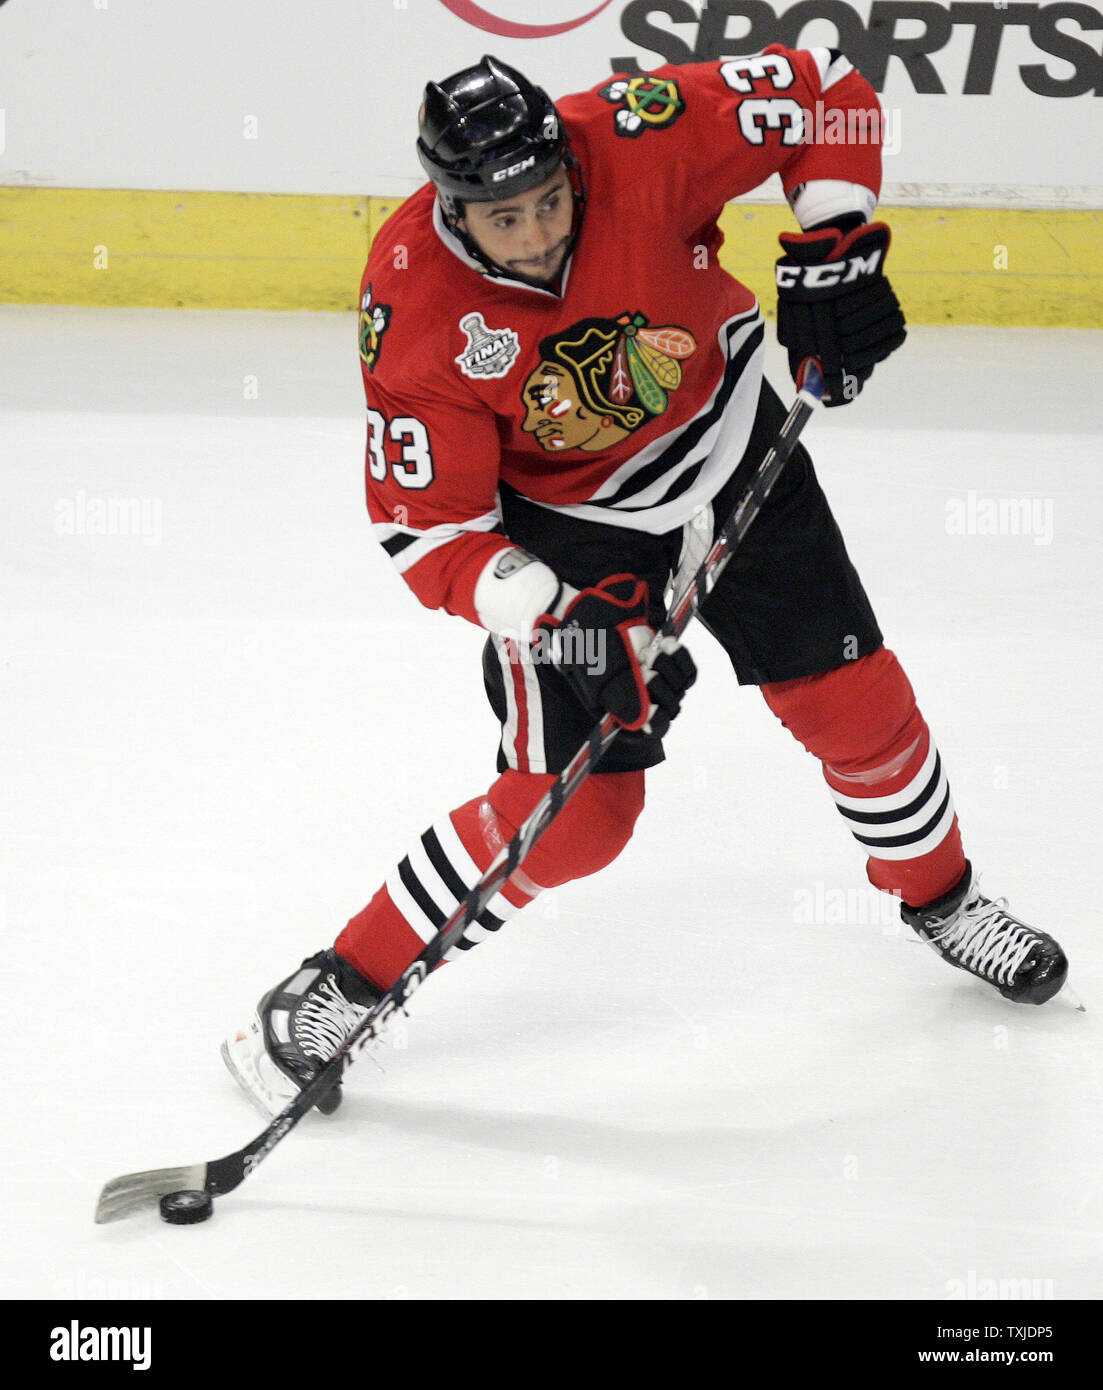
<point>297,1026</point>
<point>979,935</point>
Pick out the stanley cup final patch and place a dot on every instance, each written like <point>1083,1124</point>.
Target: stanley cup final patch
<point>489,351</point>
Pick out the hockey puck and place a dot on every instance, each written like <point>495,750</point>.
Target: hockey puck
<point>186,1208</point>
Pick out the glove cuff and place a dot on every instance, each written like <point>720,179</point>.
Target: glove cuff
<point>515,590</point>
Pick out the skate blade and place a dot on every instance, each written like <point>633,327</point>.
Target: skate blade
<point>242,1068</point>
<point>1067,996</point>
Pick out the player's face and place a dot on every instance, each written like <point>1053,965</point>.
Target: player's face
<point>527,235</point>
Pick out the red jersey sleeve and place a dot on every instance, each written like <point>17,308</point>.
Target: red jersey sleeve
<point>726,127</point>
<point>432,481</point>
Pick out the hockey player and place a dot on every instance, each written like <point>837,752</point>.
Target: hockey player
<point>565,399</point>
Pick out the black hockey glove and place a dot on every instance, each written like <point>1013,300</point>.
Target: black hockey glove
<point>834,304</point>
<point>597,645</point>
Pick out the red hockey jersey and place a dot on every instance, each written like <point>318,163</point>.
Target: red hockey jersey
<point>628,396</point>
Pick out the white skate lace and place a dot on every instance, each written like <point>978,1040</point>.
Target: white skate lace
<point>986,939</point>
<point>325,1019</point>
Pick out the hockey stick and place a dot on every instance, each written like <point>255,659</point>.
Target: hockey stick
<point>135,1191</point>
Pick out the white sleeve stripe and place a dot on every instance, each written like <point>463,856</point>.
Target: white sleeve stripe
<point>386,529</point>
<point>830,70</point>
<point>423,543</point>
<point>822,59</point>
<point>413,553</point>
<point>836,72</point>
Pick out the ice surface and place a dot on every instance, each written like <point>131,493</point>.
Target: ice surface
<point>717,1070</point>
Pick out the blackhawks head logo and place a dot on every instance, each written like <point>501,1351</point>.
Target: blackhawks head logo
<point>645,102</point>
<point>374,319</point>
<point>601,379</point>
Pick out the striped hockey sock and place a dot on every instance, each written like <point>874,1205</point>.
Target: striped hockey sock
<point>902,815</point>
<point>883,770</point>
<point>451,856</point>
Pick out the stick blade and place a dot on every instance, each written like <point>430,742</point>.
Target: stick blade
<point>138,1191</point>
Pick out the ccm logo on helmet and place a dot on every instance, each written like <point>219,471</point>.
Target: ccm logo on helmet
<point>821,277</point>
<point>515,169</point>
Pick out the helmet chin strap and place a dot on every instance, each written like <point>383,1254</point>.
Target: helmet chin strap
<point>467,241</point>
<point>469,244</point>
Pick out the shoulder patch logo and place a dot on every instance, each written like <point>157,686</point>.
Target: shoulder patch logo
<point>600,380</point>
<point>645,102</point>
<point>490,352</point>
<point>374,319</point>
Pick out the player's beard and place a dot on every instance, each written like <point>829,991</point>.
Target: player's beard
<point>555,260</point>
<point>565,249</point>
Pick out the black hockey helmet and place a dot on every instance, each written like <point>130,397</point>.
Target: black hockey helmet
<point>487,133</point>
